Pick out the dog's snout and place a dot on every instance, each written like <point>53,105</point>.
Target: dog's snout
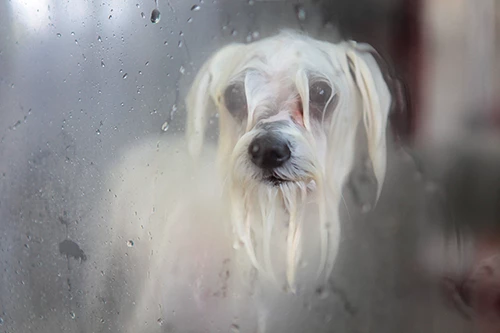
<point>269,151</point>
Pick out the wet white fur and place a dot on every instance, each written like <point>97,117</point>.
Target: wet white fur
<point>276,72</point>
<point>208,233</point>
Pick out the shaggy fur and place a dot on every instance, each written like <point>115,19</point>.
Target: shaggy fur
<point>204,234</point>
<point>277,74</point>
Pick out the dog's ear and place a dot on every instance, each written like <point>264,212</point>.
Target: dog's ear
<point>206,89</point>
<point>376,103</point>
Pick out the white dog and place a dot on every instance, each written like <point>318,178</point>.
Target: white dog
<point>232,241</point>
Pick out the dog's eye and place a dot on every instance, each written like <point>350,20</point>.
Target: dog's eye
<point>319,93</point>
<point>235,99</point>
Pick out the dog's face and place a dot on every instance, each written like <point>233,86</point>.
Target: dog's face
<point>289,108</point>
<point>276,139</point>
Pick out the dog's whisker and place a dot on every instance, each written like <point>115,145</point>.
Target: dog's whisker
<point>332,251</point>
<point>237,216</point>
<point>290,198</point>
<point>294,251</point>
<point>249,244</point>
<point>268,217</point>
<point>323,228</point>
<point>346,207</point>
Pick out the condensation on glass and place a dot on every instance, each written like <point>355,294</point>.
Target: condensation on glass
<point>80,83</point>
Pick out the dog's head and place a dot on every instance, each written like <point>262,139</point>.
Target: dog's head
<point>289,108</point>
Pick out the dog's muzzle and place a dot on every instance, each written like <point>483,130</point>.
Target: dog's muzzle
<point>269,151</point>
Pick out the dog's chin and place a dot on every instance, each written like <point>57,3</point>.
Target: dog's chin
<point>273,180</point>
<point>276,181</point>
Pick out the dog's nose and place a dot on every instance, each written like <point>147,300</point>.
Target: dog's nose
<point>269,151</point>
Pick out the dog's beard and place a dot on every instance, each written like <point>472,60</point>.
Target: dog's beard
<point>257,206</point>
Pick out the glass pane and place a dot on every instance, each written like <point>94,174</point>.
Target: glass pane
<point>108,224</point>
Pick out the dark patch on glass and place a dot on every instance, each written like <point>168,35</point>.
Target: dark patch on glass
<point>71,249</point>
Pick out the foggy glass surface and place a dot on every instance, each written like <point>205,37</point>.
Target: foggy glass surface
<point>79,83</point>
<point>83,81</point>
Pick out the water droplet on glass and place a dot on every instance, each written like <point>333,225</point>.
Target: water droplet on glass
<point>165,43</point>
<point>98,132</point>
<point>190,20</point>
<point>72,33</point>
<point>155,16</point>
<point>72,315</point>
<point>58,34</point>
<point>164,127</point>
<point>182,70</point>
<point>179,44</point>
<point>102,63</point>
<point>300,12</point>
<point>76,42</point>
<point>110,17</point>
<point>130,243</point>
<point>249,38</point>
<point>137,5</point>
<point>125,75</point>
<point>160,321</point>
<point>99,38</point>
<point>255,34</point>
<point>140,72</point>
<point>235,328</point>
<point>147,63</point>
<point>195,8</point>
<point>143,15</point>
<point>234,32</point>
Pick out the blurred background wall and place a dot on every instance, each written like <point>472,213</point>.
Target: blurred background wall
<point>445,51</point>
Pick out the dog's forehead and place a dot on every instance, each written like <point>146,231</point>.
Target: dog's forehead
<point>282,54</point>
